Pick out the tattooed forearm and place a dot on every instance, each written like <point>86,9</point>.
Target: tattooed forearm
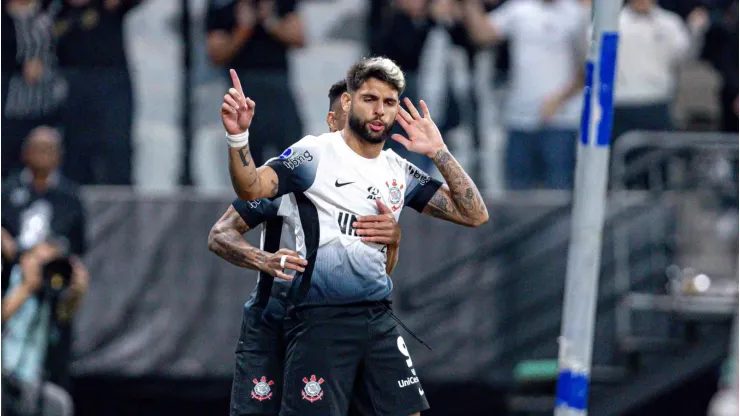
<point>274,189</point>
<point>245,156</point>
<point>459,201</point>
<point>227,241</point>
<point>248,181</point>
<point>440,206</point>
<point>240,254</point>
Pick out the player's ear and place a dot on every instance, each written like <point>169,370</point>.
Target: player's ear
<point>346,101</point>
<point>331,119</point>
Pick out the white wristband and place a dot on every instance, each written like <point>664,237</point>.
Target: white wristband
<point>238,140</point>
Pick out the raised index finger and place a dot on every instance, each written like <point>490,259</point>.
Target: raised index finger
<point>236,82</point>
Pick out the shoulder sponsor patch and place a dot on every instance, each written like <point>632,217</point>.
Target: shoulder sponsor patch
<point>296,159</point>
<point>420,176</point>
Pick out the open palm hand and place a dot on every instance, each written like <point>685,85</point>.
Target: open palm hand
<point>423,135</point>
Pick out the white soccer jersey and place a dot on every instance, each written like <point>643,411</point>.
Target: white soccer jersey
<point>327,186</point>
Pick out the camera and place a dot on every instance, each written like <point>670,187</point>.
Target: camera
<point>57,275</point>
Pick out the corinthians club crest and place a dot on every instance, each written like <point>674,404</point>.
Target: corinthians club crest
<point>312,390</point>
<point>262,390</point>
<point>395,195</point>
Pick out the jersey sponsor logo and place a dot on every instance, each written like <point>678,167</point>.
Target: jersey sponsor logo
<point>420,176</point>
<point>262,390</point>
<point>405,351</point>
<point>408,381</point>
<point>297,159</point>
<point>395,195</point>
<point>312,389</point>
<point>345,221</point>
<point>254,204</point>
<point>373,193</point>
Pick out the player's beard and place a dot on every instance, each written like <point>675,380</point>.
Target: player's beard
<point>362,130</point>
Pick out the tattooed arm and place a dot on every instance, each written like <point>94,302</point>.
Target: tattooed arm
<point>458,200</point>
<point>249,181</point>
<point>227,241</point>
<point>237,112</point>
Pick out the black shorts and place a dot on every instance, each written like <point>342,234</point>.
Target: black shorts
<point>257,385</point>
<point>258,376</point>
<point>333,352</point>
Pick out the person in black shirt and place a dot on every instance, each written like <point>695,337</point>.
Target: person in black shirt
<point>42,219</point>
<point>40,202</point>
<point>99,113</point>
<point>398,30</point>
<point>721,50</point>
<point>253,37</point>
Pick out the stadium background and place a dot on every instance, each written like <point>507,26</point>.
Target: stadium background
<point>157,330</point>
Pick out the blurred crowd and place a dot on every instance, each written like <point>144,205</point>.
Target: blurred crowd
<point>68,110</point>
<point>65,65</point>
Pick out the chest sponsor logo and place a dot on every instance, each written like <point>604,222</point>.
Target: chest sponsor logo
<point>373,193</point>
<point>345,221</point>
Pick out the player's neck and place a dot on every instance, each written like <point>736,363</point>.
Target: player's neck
<point>361,147</point>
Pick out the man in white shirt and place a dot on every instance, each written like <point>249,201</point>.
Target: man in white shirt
<point>652,43</point>
<point>547,44</point>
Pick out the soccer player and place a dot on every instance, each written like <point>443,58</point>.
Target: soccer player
<point>257,385</point>
<point>339,324</point>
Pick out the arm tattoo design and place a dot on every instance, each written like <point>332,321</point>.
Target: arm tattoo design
<point>229,243</point>
<point>463,203</point>
<point>245,155</point>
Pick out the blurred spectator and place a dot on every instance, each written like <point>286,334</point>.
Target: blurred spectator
<point>721,50</point>
<point>548,40</point>
<point>40,206</point>
<point>462,98</point>
<point>398,30</point>
<point>33,92</point>
<point>253,37</point>
<point>98,116</point>
<point>39,202</point>
<point>36,311</point>
<point>653,42</point>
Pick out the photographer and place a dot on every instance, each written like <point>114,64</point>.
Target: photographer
<point>44,290</point>
<point>43,233</point>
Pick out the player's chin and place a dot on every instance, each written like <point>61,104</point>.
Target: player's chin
<point>376,136</point>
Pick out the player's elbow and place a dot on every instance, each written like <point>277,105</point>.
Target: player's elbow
<point>214,237</point>
<point>479,220</point>
<point>244,194</point>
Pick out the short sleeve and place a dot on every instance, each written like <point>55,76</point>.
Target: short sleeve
<point>258,211</point>
<point>420,187</point>
<point>219,16</point>
<point>503,18</point>
<point>296,167</point>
